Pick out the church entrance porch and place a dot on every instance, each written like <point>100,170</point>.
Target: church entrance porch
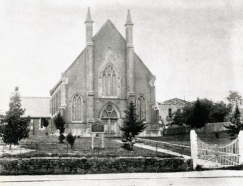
<point>110,117</point>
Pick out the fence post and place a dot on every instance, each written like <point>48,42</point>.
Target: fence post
<point>193,139</point>
<point>240,143</point>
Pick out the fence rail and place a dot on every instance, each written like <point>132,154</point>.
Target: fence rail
<point>214,156</point>
<point>179,148</point>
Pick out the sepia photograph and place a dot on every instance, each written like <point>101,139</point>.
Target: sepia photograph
<point>121,92</point>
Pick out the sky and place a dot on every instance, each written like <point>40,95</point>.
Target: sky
<point>193,47</point>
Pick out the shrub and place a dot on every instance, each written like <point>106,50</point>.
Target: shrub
<point>131,126</point>
<point>60,125</point>
<point>71,139</point>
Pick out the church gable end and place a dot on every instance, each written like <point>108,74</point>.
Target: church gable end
<point>102,81</point>
<point>109,62</point>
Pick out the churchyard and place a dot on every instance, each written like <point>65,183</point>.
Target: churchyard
<point>43,146</point>
<point>39,146</point>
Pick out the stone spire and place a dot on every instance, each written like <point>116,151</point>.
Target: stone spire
<point>129,19</point>
<point>88,18</point>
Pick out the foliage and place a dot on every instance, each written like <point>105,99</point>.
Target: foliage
<point>233,96</point>
<point>219,112</point>
<point>177,118</point>
<point>60,125</point>
<point>16,128</point>
<point>44,122</point>
<point>236,125</point>
<point>201,112</point>
<point>71,139</point>
<point>93,165</point>
<point>131,126</point>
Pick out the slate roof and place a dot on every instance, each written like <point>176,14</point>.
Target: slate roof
<point>174,101</point>
<point>36,106</point>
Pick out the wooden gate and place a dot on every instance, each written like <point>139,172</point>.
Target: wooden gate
<point>215,156</point>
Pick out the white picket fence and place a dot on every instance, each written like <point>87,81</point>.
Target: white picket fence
<point>213,156</point>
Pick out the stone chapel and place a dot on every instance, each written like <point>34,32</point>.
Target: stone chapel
<point>103,80</point>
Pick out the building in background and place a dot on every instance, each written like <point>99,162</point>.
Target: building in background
<point>168,107</point>
<point>37,108</point>
<point>103,80</point>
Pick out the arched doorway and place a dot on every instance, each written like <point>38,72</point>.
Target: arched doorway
<point>109,115</point>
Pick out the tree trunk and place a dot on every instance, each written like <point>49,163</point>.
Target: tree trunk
<point>10,146</point>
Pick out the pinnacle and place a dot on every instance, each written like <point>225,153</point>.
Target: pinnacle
<point>129,19</point>
<point>88,18</point>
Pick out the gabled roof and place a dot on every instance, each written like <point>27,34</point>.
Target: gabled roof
<point>107,25</point>
<point>36,106</point>
<point>175,101</point>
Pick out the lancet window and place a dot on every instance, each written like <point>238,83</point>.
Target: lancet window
<point>77,108</point>
<point>141,108</point>
<point>109,82</point>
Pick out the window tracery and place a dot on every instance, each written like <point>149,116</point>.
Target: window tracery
<point>77,108</point>
<point>141,108</point>
<point>109,84</point>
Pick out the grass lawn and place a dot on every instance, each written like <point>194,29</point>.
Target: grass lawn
<point>184,140</point>
<point>50,146</point>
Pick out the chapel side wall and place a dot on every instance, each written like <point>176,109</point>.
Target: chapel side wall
<point>102,43</point>
<point>142,87</point>
<point>76,85</point>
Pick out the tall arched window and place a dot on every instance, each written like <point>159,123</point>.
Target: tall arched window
<point>109,81</point>
<point>141,108</point>
<point>77,108</point>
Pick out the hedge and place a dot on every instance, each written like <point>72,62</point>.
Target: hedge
<point>35,166</point>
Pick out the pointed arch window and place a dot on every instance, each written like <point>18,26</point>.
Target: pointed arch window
<point>109,117</point>
<point>109,84</point>
<point>141,108</point>
<point>77,108</point>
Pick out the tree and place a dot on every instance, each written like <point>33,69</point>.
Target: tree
<point>234,96</point>
<point>71,139</point>
<point>198,115</point>
<point>236,125</point>
<point>219,112</point>
<point>177,118</point>
<point>234,99</point>
<point>45,123</point>
<point>60,125</point>
<point>16,128</point>
<point>131,126</point>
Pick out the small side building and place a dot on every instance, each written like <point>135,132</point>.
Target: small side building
<point>37,108</point>
<point>170,106</point>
